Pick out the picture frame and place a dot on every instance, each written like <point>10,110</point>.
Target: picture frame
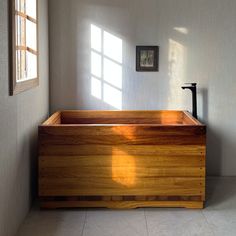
<point>147,58</point>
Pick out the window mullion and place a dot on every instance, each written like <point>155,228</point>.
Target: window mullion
<point>29,18</point>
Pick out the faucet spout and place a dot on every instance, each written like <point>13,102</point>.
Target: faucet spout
<point>193,88</point>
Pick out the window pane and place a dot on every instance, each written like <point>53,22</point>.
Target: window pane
<point>113,47</point>
<point>96,88</point>
<point>17,5</point>
<point>31,65</point>
<point>113,73</point>
<point>96,64</point>
<point>31,8</point>
<point>112,96</point>
<point>96,38</point>
<point>20,65</point>
<point>31,35</point>
<point>17,65</point>
<point>20,5</point>
<point>20,31</point>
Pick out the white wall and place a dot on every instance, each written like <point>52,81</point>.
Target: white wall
<point>19,118</point>
<point>197,40</point>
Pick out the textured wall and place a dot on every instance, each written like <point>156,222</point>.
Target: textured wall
<point>197,42</point>
<point>19,118</point>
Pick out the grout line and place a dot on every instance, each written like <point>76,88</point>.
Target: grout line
<point>144,211</point>
<point>85,219</point>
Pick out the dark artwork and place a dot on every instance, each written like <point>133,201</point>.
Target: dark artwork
<point>147,58</point>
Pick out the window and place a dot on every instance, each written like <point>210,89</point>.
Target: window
<point>24,50</point>
<point>106,67</point>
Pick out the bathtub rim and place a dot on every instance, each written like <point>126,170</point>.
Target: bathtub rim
<point>55,119</point>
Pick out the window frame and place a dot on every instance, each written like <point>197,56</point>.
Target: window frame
<point>17,87</point>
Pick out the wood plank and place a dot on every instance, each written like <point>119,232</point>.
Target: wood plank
<point>123,198</point>
<point>121,204</point>
<point>169,150</point>
<point>128,117</point>
<point>121,130</point>
<point>167,186</point>
<point>52,120</point>
<point>122,140</point>
<point>102,120</point>
<point>189,119</point>
<point>121,114</point>
<point>122,161</point>
<point>129,171</point>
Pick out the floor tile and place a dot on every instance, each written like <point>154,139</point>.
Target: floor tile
<point>115,223</point>
<point>218,218</point>
<point>53,223</point>
<point>177,222</point>
<point>220,212</point>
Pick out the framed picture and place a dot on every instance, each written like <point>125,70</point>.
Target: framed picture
<point>147,58</point>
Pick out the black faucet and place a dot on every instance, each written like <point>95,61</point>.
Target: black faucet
<point>193,88</point>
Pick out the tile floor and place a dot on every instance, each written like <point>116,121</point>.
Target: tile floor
<point>218,218</point>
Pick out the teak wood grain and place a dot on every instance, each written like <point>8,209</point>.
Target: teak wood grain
<point>119,154</point>
<point>122,161</point>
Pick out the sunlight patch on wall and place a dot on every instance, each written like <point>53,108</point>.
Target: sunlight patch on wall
<point>113,73</point>
<point>106,67</point>
<point>96,61</point>
<point>96,88</point>
<point>182,30</point>
<point>96,38</point>
<point>112,96</point>
<point>113,47</point>
<point>177,65</point>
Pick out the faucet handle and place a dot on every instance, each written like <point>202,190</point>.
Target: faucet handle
<point>193,84</point>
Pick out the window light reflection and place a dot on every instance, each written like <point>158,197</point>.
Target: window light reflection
<point>113,73</point>
<point>106,67</point>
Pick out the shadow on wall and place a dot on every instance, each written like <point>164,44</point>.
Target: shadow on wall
<point>214,142</point>
<point>180,65</point>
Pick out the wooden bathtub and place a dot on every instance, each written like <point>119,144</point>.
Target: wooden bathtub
<point>122,159</point>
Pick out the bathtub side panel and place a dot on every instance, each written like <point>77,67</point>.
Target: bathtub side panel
<point>116,162</point>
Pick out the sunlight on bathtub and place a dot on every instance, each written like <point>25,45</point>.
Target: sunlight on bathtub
<point>129,136</point>
<point>106,67</point>
<point>123,168</point>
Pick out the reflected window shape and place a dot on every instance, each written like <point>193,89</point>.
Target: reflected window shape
<point>112,96</point>
<point>96,64</point>
<point>96,38</point>
<point>113,47</point>
<point>96,88</point>
<point>112,73</point>
<point>106,67</point>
